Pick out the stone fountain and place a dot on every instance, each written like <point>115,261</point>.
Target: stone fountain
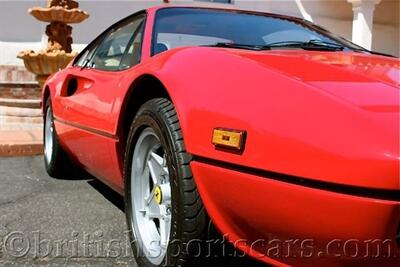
<point>58,53</point>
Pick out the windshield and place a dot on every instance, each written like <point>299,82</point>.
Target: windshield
<point>177,27</point>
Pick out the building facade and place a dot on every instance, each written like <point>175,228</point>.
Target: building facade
<point>373,24</point>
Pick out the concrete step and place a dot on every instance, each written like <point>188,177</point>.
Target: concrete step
<point>20,90</point>
<point>26,142</point>
<point>6,119</point>
<point>20,103</point>
<point>20,112</point>
<point>15,126</point>
<point>21,122</point>
<point>21,149</point>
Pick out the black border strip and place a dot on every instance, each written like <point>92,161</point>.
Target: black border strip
<point>381,194</point>
<point>87,129</point>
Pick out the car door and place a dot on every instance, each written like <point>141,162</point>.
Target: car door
<point>89,92</point>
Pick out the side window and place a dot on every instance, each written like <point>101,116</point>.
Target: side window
<point>111,50</point>
<point>133,53</point>
<point>84,58</point>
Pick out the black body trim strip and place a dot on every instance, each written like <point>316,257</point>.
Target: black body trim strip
<point>382,194</point>
<point>87,129</point>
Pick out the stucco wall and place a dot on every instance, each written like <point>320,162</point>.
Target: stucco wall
<point>19,31</point>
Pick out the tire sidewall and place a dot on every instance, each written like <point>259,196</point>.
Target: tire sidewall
<point>50,165</point>
<point>149,117</point>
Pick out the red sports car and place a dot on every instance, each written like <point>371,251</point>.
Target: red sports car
<point>281,133</point>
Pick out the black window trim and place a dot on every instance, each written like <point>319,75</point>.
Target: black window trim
<point>95,43</point>
<point>228,2</point>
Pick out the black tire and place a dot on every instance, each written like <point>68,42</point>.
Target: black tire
<point>189,220</point>
<point>57,164</point>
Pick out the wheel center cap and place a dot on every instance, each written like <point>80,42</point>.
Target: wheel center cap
<point>158,194</point>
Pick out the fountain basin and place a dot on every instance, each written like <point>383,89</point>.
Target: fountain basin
<point>44,63</point>
<point>57,13</point>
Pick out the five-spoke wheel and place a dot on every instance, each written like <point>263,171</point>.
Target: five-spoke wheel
<point>151,195</point>
<point>162,205</point>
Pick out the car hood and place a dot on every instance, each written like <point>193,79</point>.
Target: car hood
<point>368,81</point>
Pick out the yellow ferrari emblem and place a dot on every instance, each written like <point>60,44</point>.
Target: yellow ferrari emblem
<point>158,195</point>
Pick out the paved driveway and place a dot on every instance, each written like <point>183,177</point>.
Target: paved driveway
<point>45,221</point>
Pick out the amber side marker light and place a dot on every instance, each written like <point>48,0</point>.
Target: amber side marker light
<point>227,138</point>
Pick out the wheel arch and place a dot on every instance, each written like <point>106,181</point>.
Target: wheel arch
<point>136,96</point>
<point>45,96</point>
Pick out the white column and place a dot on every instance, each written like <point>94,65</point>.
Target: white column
<point>303,11</point>
<point>363,16</point>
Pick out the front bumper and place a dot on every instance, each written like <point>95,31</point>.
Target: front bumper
<point>288,224</point>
